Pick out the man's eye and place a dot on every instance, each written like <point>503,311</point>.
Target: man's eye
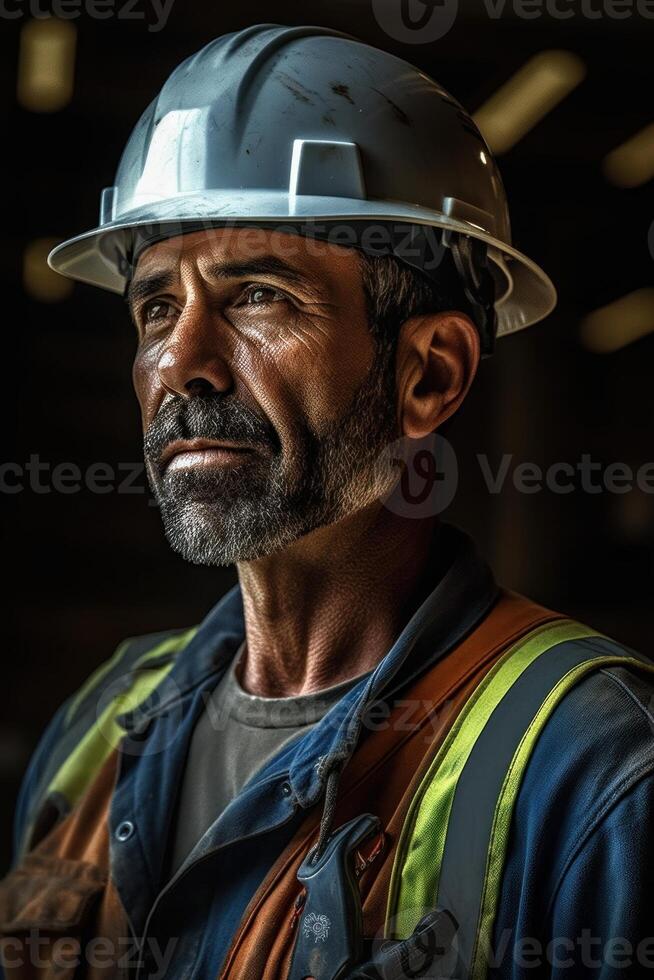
<point>156,309</point>
<point>258,295</point>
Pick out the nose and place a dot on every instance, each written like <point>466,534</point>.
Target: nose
<point>193,360</point>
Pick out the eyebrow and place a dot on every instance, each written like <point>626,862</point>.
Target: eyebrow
<point>265,265</point>
<point>270,265</point>
<point>146,286</point>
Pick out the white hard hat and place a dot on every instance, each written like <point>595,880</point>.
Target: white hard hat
<point>307,128</point>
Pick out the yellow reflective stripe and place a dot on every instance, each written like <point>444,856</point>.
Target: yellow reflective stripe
<point>95,678</point>
<point>169,644</point>
<point>419,855</point>
<point>508,795</point>
<point>104,735</point>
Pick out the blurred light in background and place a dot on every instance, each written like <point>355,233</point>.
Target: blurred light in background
<point>632,164</point>
<point>633,513</point>
<point>527,97</point>
<point>46,64</point>
<point>39,280</point>
<point>620,323</point>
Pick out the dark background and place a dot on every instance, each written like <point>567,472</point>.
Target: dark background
<point>83,570</point>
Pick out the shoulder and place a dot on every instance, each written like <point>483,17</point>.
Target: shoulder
<point>594,756</point>
<point>599,739</point>
<point>580,854</point>
<point>64,755</point>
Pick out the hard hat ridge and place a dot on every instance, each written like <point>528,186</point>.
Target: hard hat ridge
<point>308,129</point>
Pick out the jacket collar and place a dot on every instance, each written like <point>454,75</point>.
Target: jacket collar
<point>464,591</point>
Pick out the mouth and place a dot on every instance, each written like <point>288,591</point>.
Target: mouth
<point>187,453</point>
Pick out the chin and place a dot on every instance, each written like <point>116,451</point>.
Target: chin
<point>205,533</point>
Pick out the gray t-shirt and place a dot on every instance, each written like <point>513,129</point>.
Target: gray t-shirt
<point>234,737</point>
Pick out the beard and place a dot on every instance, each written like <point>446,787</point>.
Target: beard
<point>270,497</point>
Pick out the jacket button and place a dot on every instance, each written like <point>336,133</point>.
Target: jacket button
<point>287,789</point>
<point>124,830</point>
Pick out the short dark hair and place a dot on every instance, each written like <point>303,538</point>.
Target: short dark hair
<point>395,291</point>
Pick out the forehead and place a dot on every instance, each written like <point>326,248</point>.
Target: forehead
<point>234,248</point>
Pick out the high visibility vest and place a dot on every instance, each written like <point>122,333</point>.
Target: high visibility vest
<point>455,837</point>
<point>451,840</point>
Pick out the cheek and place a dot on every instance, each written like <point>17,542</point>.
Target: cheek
<point>288,364</point>
<point>145,380</point>
<point>324,377</point>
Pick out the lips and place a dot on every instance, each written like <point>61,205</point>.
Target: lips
<point>200,452</point>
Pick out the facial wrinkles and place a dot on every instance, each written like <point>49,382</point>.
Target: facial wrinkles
<point>306,325</point>
<point>309,398</point>
<point>306,368</point>
<point>281,326</point>
<point>280,355</point>
<point>222,516</point>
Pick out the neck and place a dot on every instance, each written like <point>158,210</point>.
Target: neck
<point>330,606</point>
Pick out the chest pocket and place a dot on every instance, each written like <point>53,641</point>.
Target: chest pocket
<point>47,907</point>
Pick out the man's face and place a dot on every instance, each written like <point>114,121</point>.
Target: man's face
<point>266,404</point>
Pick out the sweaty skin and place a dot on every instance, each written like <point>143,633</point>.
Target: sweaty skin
<point>292,343</point>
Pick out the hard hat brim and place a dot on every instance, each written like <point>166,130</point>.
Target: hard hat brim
<point>99,256</point>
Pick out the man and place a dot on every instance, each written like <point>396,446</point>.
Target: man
<point>368,760</point>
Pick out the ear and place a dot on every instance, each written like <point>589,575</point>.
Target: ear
<point>437,359</point>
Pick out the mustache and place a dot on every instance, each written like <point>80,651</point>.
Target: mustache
<point>207,417</point>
